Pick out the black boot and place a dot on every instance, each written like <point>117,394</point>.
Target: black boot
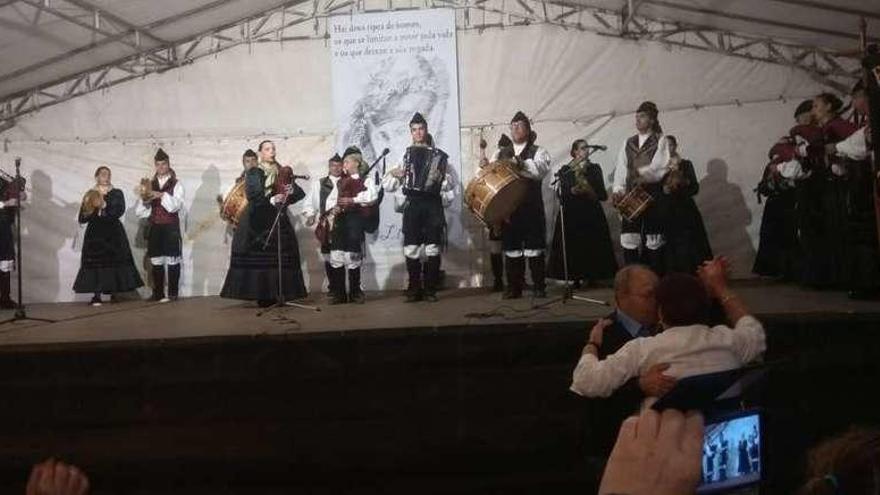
<point>173,281</point>
<point>432,278</point>
<point>631,256</point>
<point>497,260</point>
<point>158,283</point>
<point>355,292</point>
<point>537,266</point>
<point>331,283</point>
<point>516,273</point>
<point>6,301</point>
<point>96,299</point>
<point>414,289</point>
<point>337,282</point>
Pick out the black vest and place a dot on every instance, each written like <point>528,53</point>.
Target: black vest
<point>326,189</point>
<point>637,158</point>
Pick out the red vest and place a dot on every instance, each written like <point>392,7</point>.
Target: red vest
<point>158,214</point>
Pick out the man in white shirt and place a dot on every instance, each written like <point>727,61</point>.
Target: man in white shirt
<point>523,237</point>
<point>164,245</point>
<point>687,344</point>
<point>321,199</point>
<point>643,161</point>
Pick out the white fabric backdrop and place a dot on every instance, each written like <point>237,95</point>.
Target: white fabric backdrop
<point>205,115</point>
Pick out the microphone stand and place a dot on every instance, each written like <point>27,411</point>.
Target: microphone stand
<point>276,229</point>
<point>568,293</point>
<point>20,313</point>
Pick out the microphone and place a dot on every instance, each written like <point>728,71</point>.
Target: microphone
<point>385,152</point>
<point>597,147</point>
<point>301,177</point>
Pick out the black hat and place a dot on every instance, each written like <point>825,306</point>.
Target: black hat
<point>351,150</point>
<point>804,107</point>
<point>249,154</point>
<point>161,156</point>
<point>504,141</point>
<point>520,117</point>
<point>418,119</point>
<point>335,158</point>
<point>649,108</point>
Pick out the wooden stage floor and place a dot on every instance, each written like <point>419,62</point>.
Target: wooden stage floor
<point>206,317</point>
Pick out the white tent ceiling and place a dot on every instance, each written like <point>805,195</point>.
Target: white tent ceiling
<point>47,43</point>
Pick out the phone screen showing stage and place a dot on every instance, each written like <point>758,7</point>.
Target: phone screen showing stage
<point>731,452</point>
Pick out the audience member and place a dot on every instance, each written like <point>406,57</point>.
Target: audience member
<point>686,342</point>
<point>656,454</point>
<point>847,464</point>
<point>52,477</point>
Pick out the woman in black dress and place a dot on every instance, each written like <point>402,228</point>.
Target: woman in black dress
<point>253,267</point>
<point>588,241</point>
<point>687,244</point>
<point>107,266</point>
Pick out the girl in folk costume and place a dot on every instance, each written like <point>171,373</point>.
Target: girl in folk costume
<point>588,240</point>
<point>253,267</point>
<point>107,266</point>
<point>162,205</point>
<point>824,224</point>
<point>862,269</point>
<point>319,203</point>
<point>356,195</point>
<point>11,193</point>
<point>687,244</point>
<point>779,249</point>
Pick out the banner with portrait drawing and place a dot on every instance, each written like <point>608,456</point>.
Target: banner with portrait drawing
<point>385,67</point>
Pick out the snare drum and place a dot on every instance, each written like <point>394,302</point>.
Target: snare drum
<point>635,203</point>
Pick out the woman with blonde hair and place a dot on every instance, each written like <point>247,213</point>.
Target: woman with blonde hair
<point>107,266</point>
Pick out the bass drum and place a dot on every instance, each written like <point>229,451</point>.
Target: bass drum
<point>235,204</point>
<point>495,193</point>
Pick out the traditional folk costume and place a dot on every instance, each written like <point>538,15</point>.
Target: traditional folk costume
<point>106,266</point>
<point>581,190</point>
<point>253,268</point>
<point>425,182</point>
<point>496,252</point>
<point>779,248</point>
<point>824,206</point>
<point>349,225</point>
<point>8,191</point>
<point>318,203</point>
<point>524,235</point>
<point>164,242</point>
<point>643,160</point>
<point>862,268</point>
<point>687,243</point>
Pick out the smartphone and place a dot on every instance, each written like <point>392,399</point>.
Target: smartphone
<point>731,459</point>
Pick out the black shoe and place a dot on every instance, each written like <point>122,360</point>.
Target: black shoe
<point>265,303</point>
<point>156,297</point>
<point>413,295</point>
<point>356,297</point>
<point>96,300</point>
<point>430,297</point>
<point>338,299</point>
<point>510,293</point>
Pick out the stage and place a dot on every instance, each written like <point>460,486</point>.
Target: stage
<point>467,395</point>
<point>213,317</point>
